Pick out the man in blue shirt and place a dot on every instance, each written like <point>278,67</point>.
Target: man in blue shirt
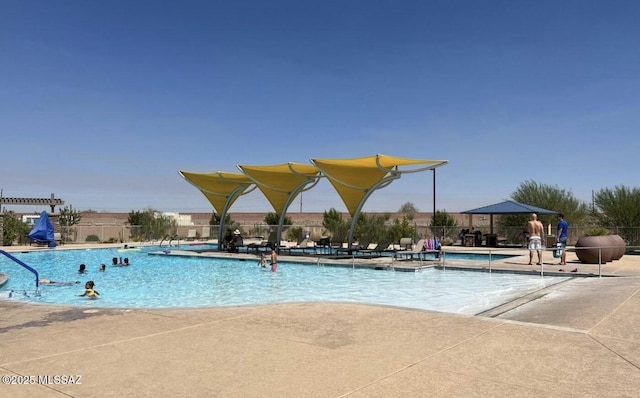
<point>563,229</point>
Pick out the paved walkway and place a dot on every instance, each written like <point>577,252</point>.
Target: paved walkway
<point>580,339</point>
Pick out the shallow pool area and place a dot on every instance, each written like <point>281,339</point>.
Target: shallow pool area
<point>153,281</point>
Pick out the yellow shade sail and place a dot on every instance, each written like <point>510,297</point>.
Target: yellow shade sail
<point>281,183</point>
<point>220,188</point>
<point>354,179</point>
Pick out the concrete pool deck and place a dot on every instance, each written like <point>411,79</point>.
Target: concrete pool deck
<point>580,339</point>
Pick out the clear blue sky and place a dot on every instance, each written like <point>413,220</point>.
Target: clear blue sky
<point>102,102</point>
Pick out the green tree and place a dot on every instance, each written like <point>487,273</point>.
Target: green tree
<point>13,229</point>
<point>409,210</point>
<point>443,225</point>
<point>333,222</point>
<point>372,225</point>
<point>68,218</point>
<point>150,224</point>
<point>618,210</point>
<point>274,219</point>
<point>136,220</point>
<point>401,228</point>
<point>215,219</point>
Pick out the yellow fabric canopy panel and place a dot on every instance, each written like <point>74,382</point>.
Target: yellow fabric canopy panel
<point>220,188</point>
<point>354,178</point>
<point>281,183</point>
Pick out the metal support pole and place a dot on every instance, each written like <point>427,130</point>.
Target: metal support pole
<point>434,192</point>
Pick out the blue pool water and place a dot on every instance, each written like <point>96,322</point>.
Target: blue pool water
<point>153,281</point>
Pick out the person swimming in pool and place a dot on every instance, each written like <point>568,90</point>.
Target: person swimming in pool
<point>89,291</point>
<point>263,260</point>
<point>82,269</point>
<point>57,283</point>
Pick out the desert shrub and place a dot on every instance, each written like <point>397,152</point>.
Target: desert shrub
<point>92,238</point>
<point>294,234</point>
<point>598,231</point>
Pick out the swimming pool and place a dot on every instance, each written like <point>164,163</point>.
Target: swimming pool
<point>170,282</point>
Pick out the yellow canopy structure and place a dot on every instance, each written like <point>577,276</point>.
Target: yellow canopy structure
<point>356,179</point>
<point>281,184</point>
<point>221,189</point>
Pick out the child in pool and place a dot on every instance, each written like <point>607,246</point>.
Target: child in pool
<point>263,260</point>
<point>89,291</point>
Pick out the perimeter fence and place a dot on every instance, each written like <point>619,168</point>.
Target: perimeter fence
<point>481,236</point>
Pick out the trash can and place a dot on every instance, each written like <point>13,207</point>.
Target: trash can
<point>491,240</point>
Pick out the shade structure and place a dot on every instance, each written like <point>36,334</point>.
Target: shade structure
<point>221,189</point>
<point>508,207</point>
<point>356,179</point>
<point>281,184</point>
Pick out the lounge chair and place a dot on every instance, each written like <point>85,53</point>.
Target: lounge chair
<point>303,246</point>
<point>336,243</point>
<point>264,245</point>
<point>418,249</point>
<point>363,244</point>
<point>424,247</point>
<point>381,247</point>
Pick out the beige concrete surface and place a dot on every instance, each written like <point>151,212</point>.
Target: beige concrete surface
<point>581,339</point>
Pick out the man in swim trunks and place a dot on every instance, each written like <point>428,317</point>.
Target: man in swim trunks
<point>536,234</point>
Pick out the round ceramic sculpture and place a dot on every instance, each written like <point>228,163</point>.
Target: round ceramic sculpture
<point>620,246</point>
<point>597,249</point>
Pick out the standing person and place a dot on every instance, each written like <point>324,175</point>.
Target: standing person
<point>263,261</point>
<point>536,234</point>
<point>563,232</point>
<point>274,259</point>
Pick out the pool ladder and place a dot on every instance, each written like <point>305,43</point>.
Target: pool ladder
<point>25,266</point>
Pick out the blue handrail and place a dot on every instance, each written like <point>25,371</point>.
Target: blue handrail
<point>24,265</point>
